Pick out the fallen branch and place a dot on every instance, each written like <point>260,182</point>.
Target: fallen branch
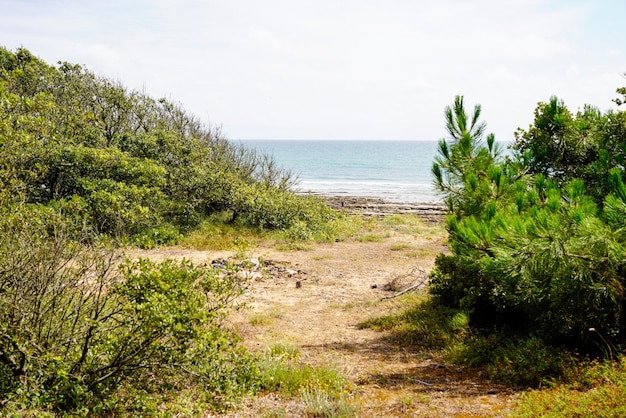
<point>423,383</point>
<point>408,289</point>
<point>421,273</point>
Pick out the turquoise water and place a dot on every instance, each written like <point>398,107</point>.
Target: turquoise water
<point>397,171</point>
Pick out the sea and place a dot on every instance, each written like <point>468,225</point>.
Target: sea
<point>396,171</point>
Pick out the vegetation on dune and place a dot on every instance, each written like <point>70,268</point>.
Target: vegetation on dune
<point>537,241</point>
<point>532,291</point>
<point>129,165</point>
<point>87,166</point>
<point>533,287</point>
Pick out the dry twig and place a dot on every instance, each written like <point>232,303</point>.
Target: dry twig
<point>395,283</point>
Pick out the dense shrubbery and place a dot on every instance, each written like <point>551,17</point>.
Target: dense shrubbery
<point>128,164</point>
<point>538,240</point>
<point>75,324</point>
<point>86,165</point>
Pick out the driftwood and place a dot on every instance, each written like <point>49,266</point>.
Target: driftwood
<point>393,284</point>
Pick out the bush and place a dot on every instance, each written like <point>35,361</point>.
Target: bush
<point>517,361</point>
<point>136,164</point>
<point>74,325</point>
<point>536,254</point>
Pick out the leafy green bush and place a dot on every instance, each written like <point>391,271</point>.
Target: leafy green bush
<point>75,325</point>
<point>522,362</point>
<point>540,254</point>
<point>135,163</point>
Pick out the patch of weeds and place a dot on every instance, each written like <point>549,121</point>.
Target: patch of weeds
<point>422,398</point>
<point>266,317</point>
<point>322,404</point>
<point>395,220</point>
<point>289,377</point>
<point>412,224</point>
<point>400,246</point>
<point>323,257</point>
<point>373,237</point>
<point>284,350</point>
<point>406,403</point>
<point>426,251</point>
<point>599,390</point>
<point>412,254</point>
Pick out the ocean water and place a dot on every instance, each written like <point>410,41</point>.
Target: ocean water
<point>397,171</point>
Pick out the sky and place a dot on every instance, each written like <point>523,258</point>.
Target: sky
<point>338,69</point>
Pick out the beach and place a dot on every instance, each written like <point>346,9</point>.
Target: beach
<point>374,206</point>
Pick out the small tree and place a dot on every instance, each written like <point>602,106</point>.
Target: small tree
<point>463,159</point>
<point>538,254</point>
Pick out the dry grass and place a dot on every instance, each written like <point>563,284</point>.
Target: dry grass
<point>341,287</point>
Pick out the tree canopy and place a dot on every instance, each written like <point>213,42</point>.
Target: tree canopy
<point>538,239</point>
<point>128,164</point>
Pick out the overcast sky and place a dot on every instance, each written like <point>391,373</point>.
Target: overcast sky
<point>338,69</point>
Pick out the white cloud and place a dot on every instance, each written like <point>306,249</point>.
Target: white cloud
<point>328,69</point>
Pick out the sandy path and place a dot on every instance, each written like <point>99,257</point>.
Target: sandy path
<point>321,317</point>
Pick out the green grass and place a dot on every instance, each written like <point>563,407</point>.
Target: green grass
<point>282,372</point>
<point>598,391</point>
<point>373,237</point>
<point>401,246</point>
<point>289,376</point>
<point>413,225</point>
<point>321,404</point>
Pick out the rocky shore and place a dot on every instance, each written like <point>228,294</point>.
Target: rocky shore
<point>372,206</point>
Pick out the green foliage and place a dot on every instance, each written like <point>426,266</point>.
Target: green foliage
<point>563,146</point>
<point>289,377</point>
<point>282,371</point>
<point>136,164</point>
<point>598,391</point>
<point>466,172</point>
<point>75,326</point>
<point>535,249</point>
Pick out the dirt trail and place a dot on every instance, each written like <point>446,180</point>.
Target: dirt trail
<point>341,286</point>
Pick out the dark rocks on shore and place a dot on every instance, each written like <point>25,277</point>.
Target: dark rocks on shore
<point>372,206</point>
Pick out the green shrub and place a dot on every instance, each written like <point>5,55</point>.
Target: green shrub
<point>539,254</point>
<point>165,234</point>
<point>135,164</point>
<point>515,361</point>
<point>75,325</point>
